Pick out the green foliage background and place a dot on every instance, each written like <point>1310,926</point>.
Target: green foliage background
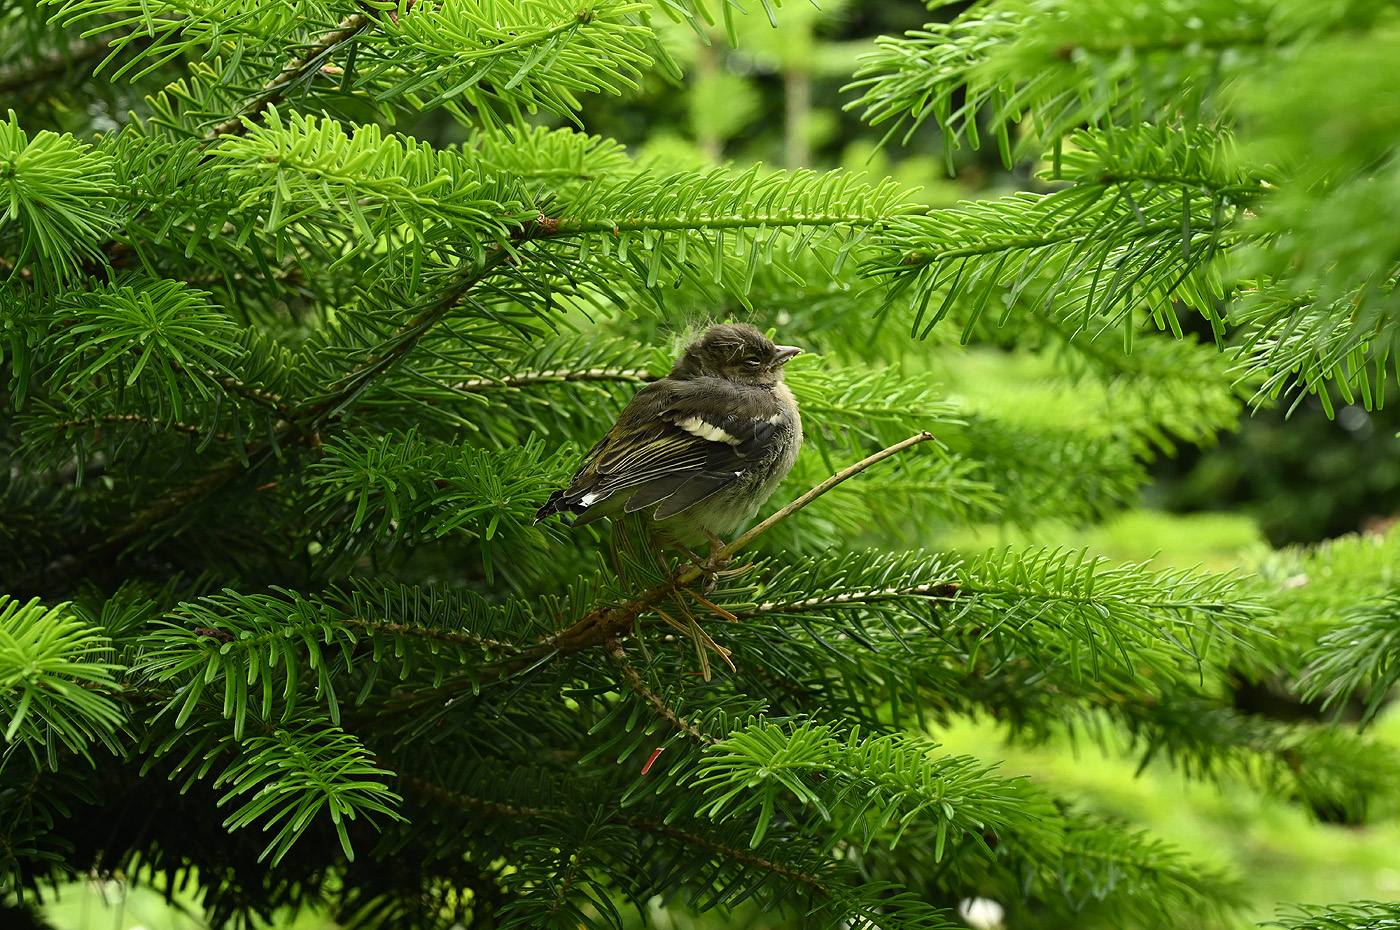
<point>306,307</point>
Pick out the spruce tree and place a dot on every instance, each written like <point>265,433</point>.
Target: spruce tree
<point>284,386</point>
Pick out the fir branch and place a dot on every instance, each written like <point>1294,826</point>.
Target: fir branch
<point>153,422</point>
<point>1103,609</point>
<point>718,200</point>
<point>753,768</point>
<point>397,347</point>
<point>615,816</point>
<point>609,622</point>
<point>1070,64</point>
<point>1358,915</point>
<point>938,591</point>
<point>502,62</point>
<point>422,632</point>
<point>890,788</point>
<point>638,683</point>
<point>1148,210</point>
<point>220,646</point>
<point>717,227</point>
<point>57,195</point>
<point>53,688</point>
<point>308,420</point>
<point>286,776</point>
<point>524,379</point>
<point>295,71</point>
<point>1360,657</point>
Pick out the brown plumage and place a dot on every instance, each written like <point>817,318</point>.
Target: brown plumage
<point>699,451</point>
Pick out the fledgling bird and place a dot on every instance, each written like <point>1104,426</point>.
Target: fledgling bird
<point>699,451</point>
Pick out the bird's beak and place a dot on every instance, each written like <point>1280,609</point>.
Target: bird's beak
<point>784,354</point>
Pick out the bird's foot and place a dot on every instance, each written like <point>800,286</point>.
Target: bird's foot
<point>715,566</point>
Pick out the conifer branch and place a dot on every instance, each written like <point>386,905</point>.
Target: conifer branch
<point>608,623</point>
<point>940,590</point>
<point>1144,44</point>
<point>554,376</point>
<point>634,677</point>
<point>423,632</point>
<point>153,422</point>
<point>398,346</point>
<point>643,223</point>
<point>305,423</point>
<point>466,802</point>
<point>295,70</point>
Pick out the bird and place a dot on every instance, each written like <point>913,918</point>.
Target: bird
<point>697,452</point>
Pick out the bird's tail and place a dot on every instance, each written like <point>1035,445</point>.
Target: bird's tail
<point>552,506</point>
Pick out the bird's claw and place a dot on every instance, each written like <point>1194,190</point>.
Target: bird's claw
<point>716,566</point>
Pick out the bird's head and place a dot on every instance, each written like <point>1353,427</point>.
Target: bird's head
<point>736,352</point>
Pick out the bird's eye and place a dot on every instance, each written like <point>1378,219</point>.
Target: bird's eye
<point>753,362</point>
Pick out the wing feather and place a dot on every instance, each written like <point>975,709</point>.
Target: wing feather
<point>684,453</point>
<point>692,492</point>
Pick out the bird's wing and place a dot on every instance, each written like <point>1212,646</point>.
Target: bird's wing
<point>677,452</point>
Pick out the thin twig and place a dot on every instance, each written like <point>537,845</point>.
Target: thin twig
<point>424,632</point>
<point>728,551</point>
<point>256,394</point>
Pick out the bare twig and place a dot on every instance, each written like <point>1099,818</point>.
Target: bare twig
<point>850,472</point>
